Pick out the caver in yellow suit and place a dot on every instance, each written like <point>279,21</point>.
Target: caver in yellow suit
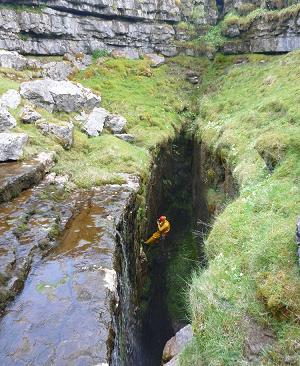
<point>163,229</point>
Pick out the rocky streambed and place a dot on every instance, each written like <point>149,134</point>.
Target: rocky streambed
<point>63,316</point>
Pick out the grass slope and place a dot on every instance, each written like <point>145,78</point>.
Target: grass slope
<point>252,272</point>
<point>154,101</point>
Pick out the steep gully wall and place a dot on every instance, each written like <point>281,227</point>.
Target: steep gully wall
<point>182,173</point>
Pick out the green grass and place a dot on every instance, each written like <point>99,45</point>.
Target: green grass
<point>23,8</point>
<point>251,249</point>
<point>7,83</point>
<point>155,102</point>
<point>245,22</point>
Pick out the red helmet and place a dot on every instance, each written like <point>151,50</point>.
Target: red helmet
<point>162,219</point>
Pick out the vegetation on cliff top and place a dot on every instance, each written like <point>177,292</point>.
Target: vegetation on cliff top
<point>250,117</point>
<point>154,101</point>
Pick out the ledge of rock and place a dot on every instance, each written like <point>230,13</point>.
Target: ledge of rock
<point>15,176</point>
<point>56,95</point>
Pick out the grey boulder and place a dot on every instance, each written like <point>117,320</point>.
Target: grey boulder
<point>115,123</point>
<point>125,137</point>
<point>63,133</point>
<point>95,122</point>
<point>12,60</point>
<point>155,59</point>
<point>57,70</point>
<point>80,61</point>
<point>128,53</point>
<point>11,145</point>
<point>56,95</point>
<point>11,99</point>
<point>7,121</point>
<point>29,115</point>
<point>176,344</point>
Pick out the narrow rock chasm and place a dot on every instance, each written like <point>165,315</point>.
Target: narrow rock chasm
<point>172,193</point>
<point>189,185</point>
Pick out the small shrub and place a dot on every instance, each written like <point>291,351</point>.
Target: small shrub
<point>100,53</point>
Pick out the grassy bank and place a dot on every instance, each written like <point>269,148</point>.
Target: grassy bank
<point>154,102</point>
<point>251,117</point>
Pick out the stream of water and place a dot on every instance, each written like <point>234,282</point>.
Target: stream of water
<point>62,316</point>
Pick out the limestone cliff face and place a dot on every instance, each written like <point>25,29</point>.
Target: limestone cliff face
<point>54,27</point>
<point>266,33</point>
<point>58,26</point>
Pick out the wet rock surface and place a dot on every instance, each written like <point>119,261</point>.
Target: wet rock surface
<point>63,315</point>
<point>15,176</point>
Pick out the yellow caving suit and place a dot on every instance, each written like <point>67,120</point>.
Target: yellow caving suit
<point>163,229</point>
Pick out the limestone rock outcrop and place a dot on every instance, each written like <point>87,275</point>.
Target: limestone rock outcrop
<point>267,33</point>
<point>11,145</point>
<point>56,95</point>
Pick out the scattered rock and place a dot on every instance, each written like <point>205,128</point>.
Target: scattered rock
<point>29,115</point>
<point>156,60</point>
<point>11,99</point>
<point>63,133</point>
<point>173,362</point>
<point>79,60</point>
<point>177,343</point>
<point>7,121</point>
<point>192,77</point>
<point>82,117</point>
<point>57,70</point>
<point>95,122</point>
<point>12,60</point>
<point>11,145</point>
<point>115,123</point>
<point>56,95</point>
<point>125,136</point>
<point>257,339</point>
<point>291,360</point>
<point>129,53</point>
